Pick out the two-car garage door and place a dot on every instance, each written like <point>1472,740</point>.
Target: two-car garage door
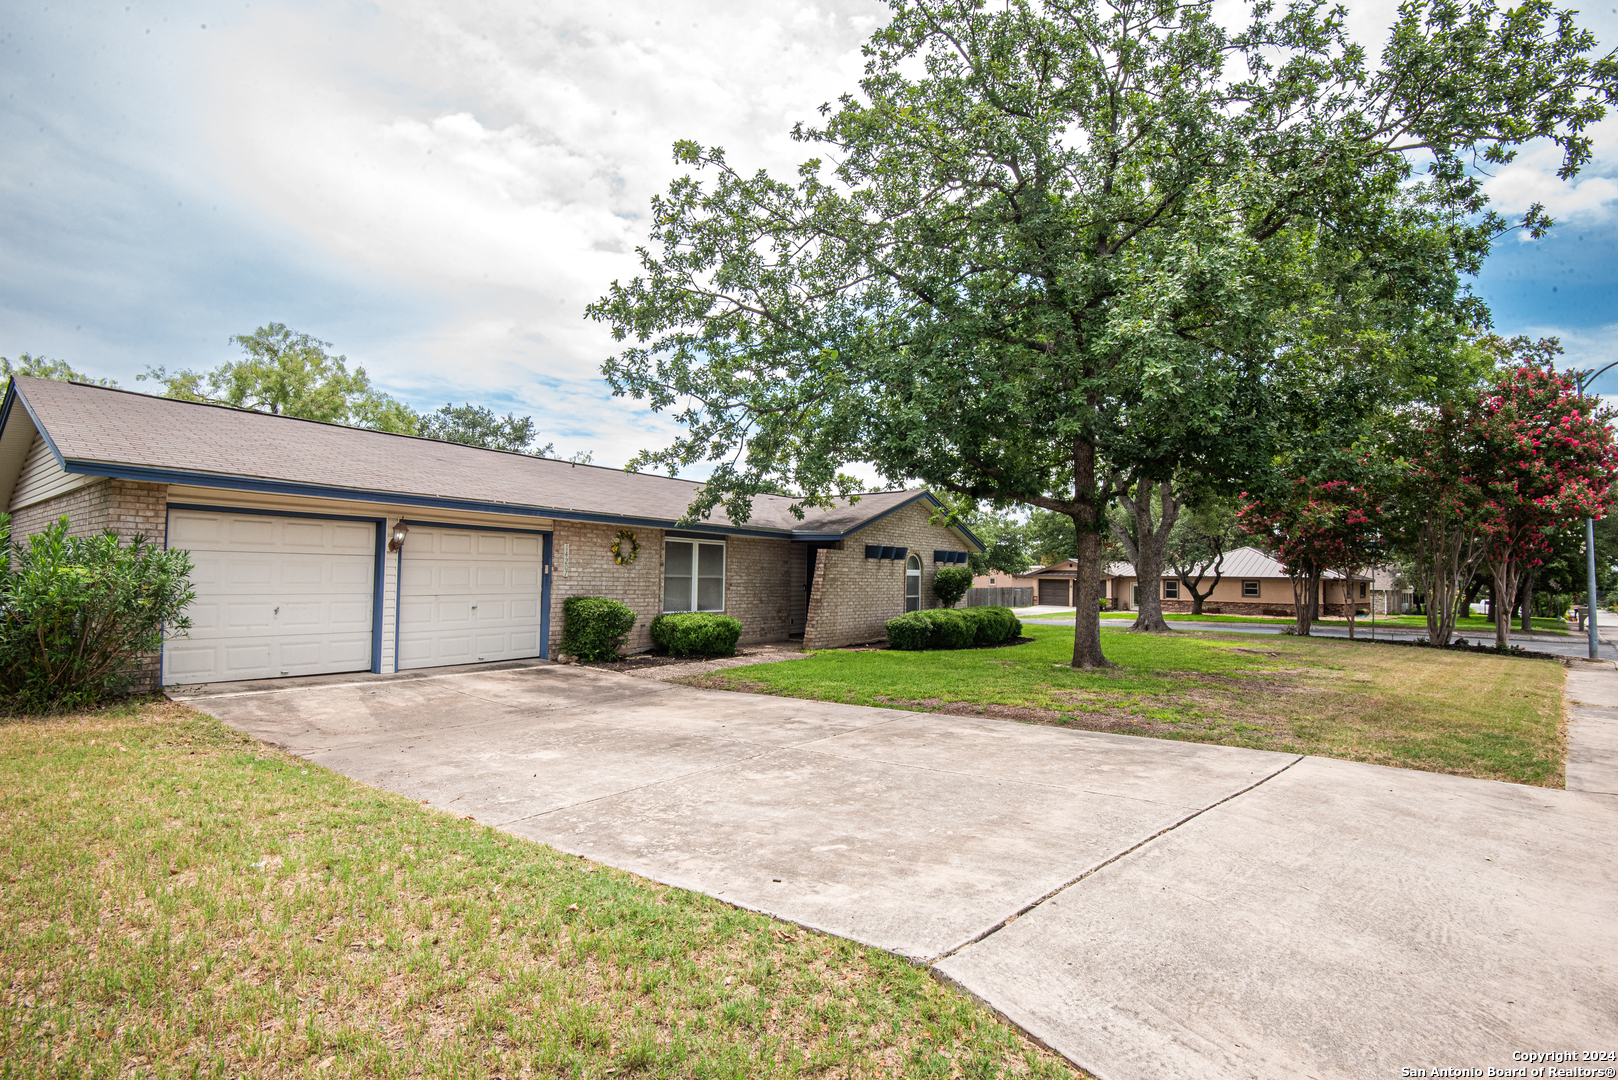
<point>467,595</point>
<point>291,595</point>
<point>275,596</point>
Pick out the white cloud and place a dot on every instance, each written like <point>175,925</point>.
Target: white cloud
<point>1532,178</point>
<point>502,156</point>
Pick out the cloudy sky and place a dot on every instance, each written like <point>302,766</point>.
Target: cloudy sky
<point>439,189</point>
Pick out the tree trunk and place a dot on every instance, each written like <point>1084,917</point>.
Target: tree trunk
<point>1305,595</point>
<point>1507,574</point>
<point>1351,605</point>
<point>1528,603</point>
<point>1146,549</point>
<point>1087,525</point>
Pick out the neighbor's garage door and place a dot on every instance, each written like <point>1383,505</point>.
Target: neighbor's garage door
<point>275,596</point>
<point>466,595</point>
<point>1053,591</point>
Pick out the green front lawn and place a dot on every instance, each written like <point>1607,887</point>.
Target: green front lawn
<point>180,901</point>
<point>1486,716</point>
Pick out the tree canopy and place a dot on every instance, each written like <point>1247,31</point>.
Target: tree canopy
<point>479,425</point>
<point>41,367</point>
<point>288,373</point>
<point>1056,246</point>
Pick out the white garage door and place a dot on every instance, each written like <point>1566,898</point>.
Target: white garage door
<point>275,596</point>
<point>467,595</point>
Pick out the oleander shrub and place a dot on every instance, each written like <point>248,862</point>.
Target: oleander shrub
<point>79,613</point>
<point>910,632</point>
<point>950,584</point>
<point>594,627</point>
<point>697,633</point>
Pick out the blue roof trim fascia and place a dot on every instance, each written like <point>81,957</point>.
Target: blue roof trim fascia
<point>962,529</point>
<point>283,487</point>
<point>5,406</point>
<point>50,444</point>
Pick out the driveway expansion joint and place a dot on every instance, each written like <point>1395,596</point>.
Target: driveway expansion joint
<point>1098,867</point>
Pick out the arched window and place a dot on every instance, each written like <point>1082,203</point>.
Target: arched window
<point>913,583</point>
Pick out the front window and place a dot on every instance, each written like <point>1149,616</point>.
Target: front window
<point>1171,590</point>
<point>1363,587</point>
<point>912,584</point>
<point>693,576</point>
<point>1249,588</point>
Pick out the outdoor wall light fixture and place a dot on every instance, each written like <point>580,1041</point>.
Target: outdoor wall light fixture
<point>396,541</point>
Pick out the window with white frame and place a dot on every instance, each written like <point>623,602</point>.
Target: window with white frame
<point>693,575</point>
<point>1249,588</point>
<point>1171,589</point>
<point>913,584</point>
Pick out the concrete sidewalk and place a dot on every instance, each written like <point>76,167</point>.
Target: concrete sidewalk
<point>1149,908</point>
<point>1592,728</point>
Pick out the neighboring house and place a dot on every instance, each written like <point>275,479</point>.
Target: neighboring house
<point>320,548</point>
<point>1251,583</point>
<point>1057,583</point>
<point>1390,593</point>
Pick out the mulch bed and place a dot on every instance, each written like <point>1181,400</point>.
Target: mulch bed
<point>882,646</point>
<point>642,661</point>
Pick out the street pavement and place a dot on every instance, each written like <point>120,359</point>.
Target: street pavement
<point>1572,645</point>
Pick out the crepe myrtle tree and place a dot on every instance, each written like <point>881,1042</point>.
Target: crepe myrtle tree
<point>1314,525</point>
<point>1056,241</point>
<point>1545,457</point>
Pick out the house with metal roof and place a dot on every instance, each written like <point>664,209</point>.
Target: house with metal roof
<point>1251,582</point>
<point>320,548</point>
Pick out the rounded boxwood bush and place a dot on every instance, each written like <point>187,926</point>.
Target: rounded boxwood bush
<point>697,633</point>
<point>951,629</point>
<point>950,584</point>
<point>594,627</point>
<point>911,632</point>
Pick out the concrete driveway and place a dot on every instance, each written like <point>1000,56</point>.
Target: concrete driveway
<point>1148,908</point>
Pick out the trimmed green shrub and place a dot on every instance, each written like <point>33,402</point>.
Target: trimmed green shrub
<point>950,584</point>
<point>911,632</point>
<point>697,633</point>
<point>951,629</point>
<point>994,625</point>
<point>594,627</point>
<point>78,613</point>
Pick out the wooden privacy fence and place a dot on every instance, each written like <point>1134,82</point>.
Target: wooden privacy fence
<point>999,597</point>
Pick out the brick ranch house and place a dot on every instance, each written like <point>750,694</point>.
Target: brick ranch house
<point>321,549</point>
<point>1251,583</point>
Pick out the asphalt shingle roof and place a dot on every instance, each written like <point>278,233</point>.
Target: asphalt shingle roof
<point>125,433</point>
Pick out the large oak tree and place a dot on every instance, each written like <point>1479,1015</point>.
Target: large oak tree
<point>1056,244</point>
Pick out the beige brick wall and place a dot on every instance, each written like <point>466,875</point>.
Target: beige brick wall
<point>758,580</point>
<point>758,587</point>
<point>582,565</point>
<point>127,506</point>
<point>854,597</point>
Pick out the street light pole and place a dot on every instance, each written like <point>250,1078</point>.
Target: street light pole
<point>1590,568</point>
<point>1583,379</point>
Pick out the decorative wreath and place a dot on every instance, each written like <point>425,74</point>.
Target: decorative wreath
<point>625,548</point>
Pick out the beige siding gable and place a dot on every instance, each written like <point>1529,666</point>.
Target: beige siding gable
<point>42,478</point>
